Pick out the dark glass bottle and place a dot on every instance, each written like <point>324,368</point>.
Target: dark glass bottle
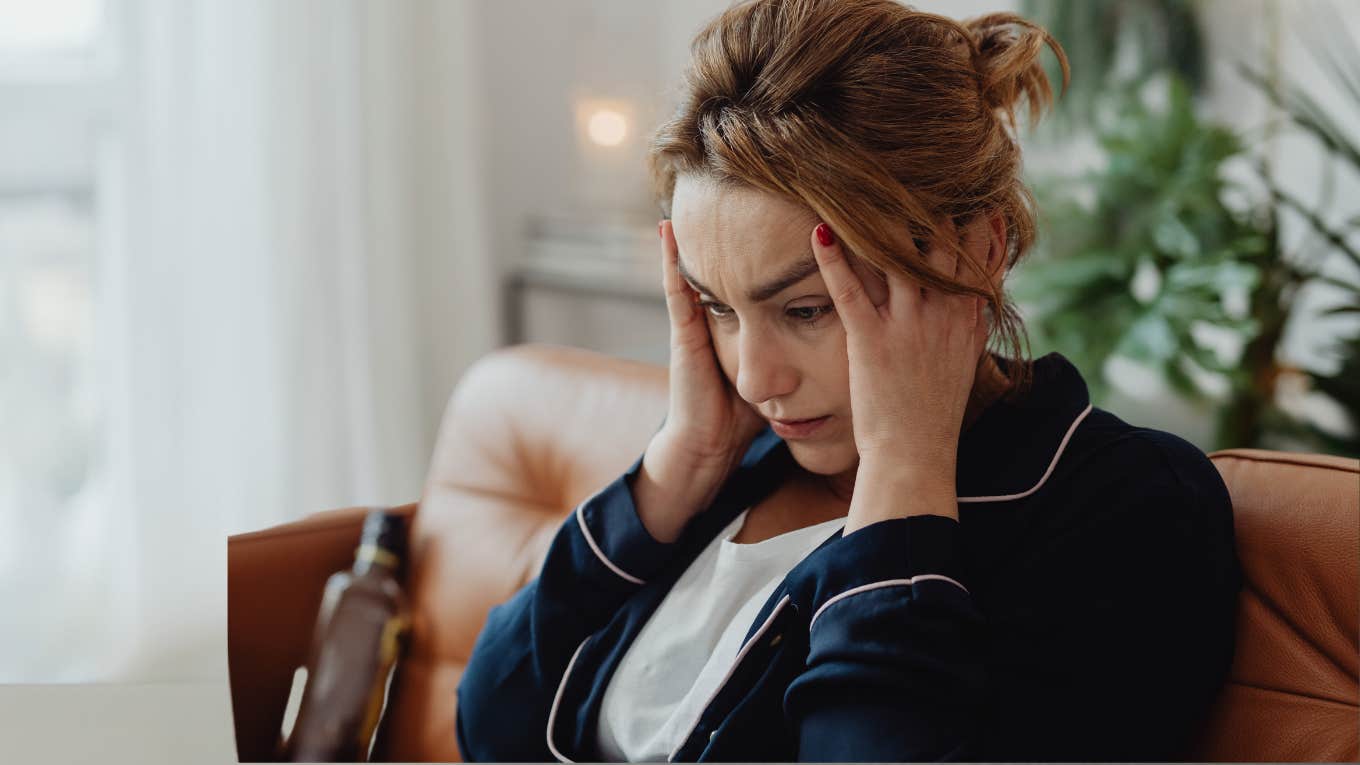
<point>360,628</point>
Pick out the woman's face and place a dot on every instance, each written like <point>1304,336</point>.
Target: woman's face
<point>779,342</point>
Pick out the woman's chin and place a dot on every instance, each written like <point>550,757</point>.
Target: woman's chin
<point>831,458</point>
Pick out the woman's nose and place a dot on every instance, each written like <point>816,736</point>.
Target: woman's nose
<point>763,370</point>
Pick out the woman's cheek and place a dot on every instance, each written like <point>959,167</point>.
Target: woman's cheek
<point>726,349</point>
<point>835,363</point>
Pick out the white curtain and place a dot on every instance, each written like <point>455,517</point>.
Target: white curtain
<point>281,320</point>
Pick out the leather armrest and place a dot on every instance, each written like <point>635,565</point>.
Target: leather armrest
<point>274,581</point>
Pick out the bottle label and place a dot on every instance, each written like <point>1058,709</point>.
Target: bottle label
<point>377,701</point>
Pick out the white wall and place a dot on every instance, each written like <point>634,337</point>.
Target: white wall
<point>539,57</point>
<point>452,206</point>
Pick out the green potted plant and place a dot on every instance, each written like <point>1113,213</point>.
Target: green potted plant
<point>1118,44</point>
<point>1156,269</point>
<point>1333,229</point>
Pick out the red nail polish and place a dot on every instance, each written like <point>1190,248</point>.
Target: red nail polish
<point>824,235</point>
<point>661,230</point>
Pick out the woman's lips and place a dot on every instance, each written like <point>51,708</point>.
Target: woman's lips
<point>797,428</point>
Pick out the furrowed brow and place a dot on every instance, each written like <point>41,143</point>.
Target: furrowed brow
<point>791,276</point>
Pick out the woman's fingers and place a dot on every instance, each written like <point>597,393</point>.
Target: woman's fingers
<point>847,291</point>
<point>961,310</point>
<point>907,294</point>
<point>904,293</point>
<point>852,291</point>
<point>943,263</point>
<point>680,299</point>
<point>875,285</point>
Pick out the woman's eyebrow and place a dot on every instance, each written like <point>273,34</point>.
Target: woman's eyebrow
<point>791,276</point>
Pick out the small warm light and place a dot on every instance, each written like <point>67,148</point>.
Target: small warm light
<point>607,127</point>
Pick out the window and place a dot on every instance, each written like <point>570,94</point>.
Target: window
<point>57,72</point>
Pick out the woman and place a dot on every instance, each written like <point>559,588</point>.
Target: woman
<point>858,535</point>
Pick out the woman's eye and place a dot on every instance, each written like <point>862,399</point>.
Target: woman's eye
<point>810,314</point>
<point>716,310</point>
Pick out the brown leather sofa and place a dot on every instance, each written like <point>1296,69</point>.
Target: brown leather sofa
<point>533,430</point>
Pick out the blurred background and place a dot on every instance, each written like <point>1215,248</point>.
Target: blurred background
<point>247,247</point>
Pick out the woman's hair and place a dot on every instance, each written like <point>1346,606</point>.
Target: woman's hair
<point>888,123</point>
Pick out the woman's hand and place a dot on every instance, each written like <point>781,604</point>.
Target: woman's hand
<point>913,357</point>
<point>707,421</point>
<point>708,425</point>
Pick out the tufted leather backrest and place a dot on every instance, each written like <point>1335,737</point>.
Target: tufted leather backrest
<point>533,430</point>
<point>529,433</point>
<point>1293,693</point>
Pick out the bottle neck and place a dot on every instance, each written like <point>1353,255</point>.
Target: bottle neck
<point>368,557</point>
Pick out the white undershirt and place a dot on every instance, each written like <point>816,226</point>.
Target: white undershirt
<point>665,680</point>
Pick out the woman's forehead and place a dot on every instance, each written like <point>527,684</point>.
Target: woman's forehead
<point>738,230</point>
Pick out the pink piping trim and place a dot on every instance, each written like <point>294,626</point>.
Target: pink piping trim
<point>745,649</point>
<point>557,699</point>
<point>884,583</point>
<point>1052,464</point>
<point>581,519</point>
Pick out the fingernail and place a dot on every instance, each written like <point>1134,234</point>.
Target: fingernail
<point>824,235</point>
<point>661,230</point>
